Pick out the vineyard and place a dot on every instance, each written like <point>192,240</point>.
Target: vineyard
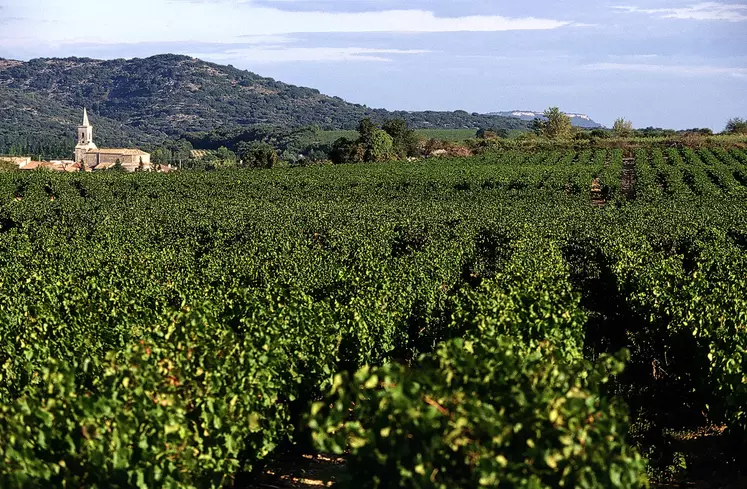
<point>523,320</point>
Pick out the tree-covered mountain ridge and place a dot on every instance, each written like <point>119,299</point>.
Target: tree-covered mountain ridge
<point>171,95</point>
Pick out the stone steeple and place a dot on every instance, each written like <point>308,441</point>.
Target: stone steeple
<point>85,138</point>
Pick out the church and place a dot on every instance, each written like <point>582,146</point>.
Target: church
<point>91,156</point>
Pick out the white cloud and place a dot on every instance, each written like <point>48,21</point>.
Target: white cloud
<point>276,39</point>
<point>679,70</point>
<point>632,57</point>
<point>273,54</point>
<point>700,11</point>
<point>110,22</point>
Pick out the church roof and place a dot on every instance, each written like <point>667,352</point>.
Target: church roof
<point>51,166</point>
<point>33,165</point>
<point>85,117</point>
<point>104,166</point>
<point>119,151</point>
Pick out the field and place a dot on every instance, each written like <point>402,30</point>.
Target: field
<point>525,319</point>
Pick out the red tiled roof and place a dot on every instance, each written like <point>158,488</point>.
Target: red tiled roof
<point>119,151</point>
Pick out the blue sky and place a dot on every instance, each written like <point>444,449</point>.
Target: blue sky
<point>669,63</point>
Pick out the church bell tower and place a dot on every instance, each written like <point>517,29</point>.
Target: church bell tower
<point>85,139</point>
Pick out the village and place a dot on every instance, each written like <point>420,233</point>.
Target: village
<point>88,157</point>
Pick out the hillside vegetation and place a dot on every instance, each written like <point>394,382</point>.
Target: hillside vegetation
<point>147,100</point>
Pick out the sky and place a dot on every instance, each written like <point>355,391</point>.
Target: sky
<point>661,63</point>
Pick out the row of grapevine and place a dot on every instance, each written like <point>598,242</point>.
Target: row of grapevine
<point>452,323</point>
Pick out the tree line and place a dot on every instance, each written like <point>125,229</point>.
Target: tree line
<point>266,146</point>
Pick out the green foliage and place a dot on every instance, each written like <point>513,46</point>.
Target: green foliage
<point>556,125</point>
<point>379,147</point>
<point>530,298</point>
<point>511,403</point>
<point>6,166</point>
<point>654,132</point>
<point>699,131</point>
<point>238,296</point>
<point>257,155</point>
<point>492,133</point>
<point>144,101</point>
<point>454,135</point>
<point>48,130</point>
<point>177,410</point>
<point>373,144</point>
<point>172,152</point>
<point>736,126</point>
<point>345,150</point>
<point>481,413</point>
<point>622,128</point>
<point>226,157</point>
<point>405,141</point>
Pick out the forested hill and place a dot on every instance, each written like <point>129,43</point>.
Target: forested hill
<point>169,95</point>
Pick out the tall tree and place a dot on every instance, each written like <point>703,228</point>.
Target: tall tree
<point>257,154</point>
<point>405,141</point>
<point>557,125</point>
<point>366,129</point>
<point>180,150</point>
<point>226,157</point>
<point>736,126</point>
<point>380,146</point>
<point>373,144</point>
<point>345,150</point>
<point>622,127</point>
<point>161,155</point>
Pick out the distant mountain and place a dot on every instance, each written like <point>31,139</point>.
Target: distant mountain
<point>578,120</point>
<point>147,100</point>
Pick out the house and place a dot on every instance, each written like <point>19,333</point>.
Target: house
<point>89,157</point>
<point>31,165</point>
<point>19,161</point>
<point>48,165</point>
<point>87,153</point>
